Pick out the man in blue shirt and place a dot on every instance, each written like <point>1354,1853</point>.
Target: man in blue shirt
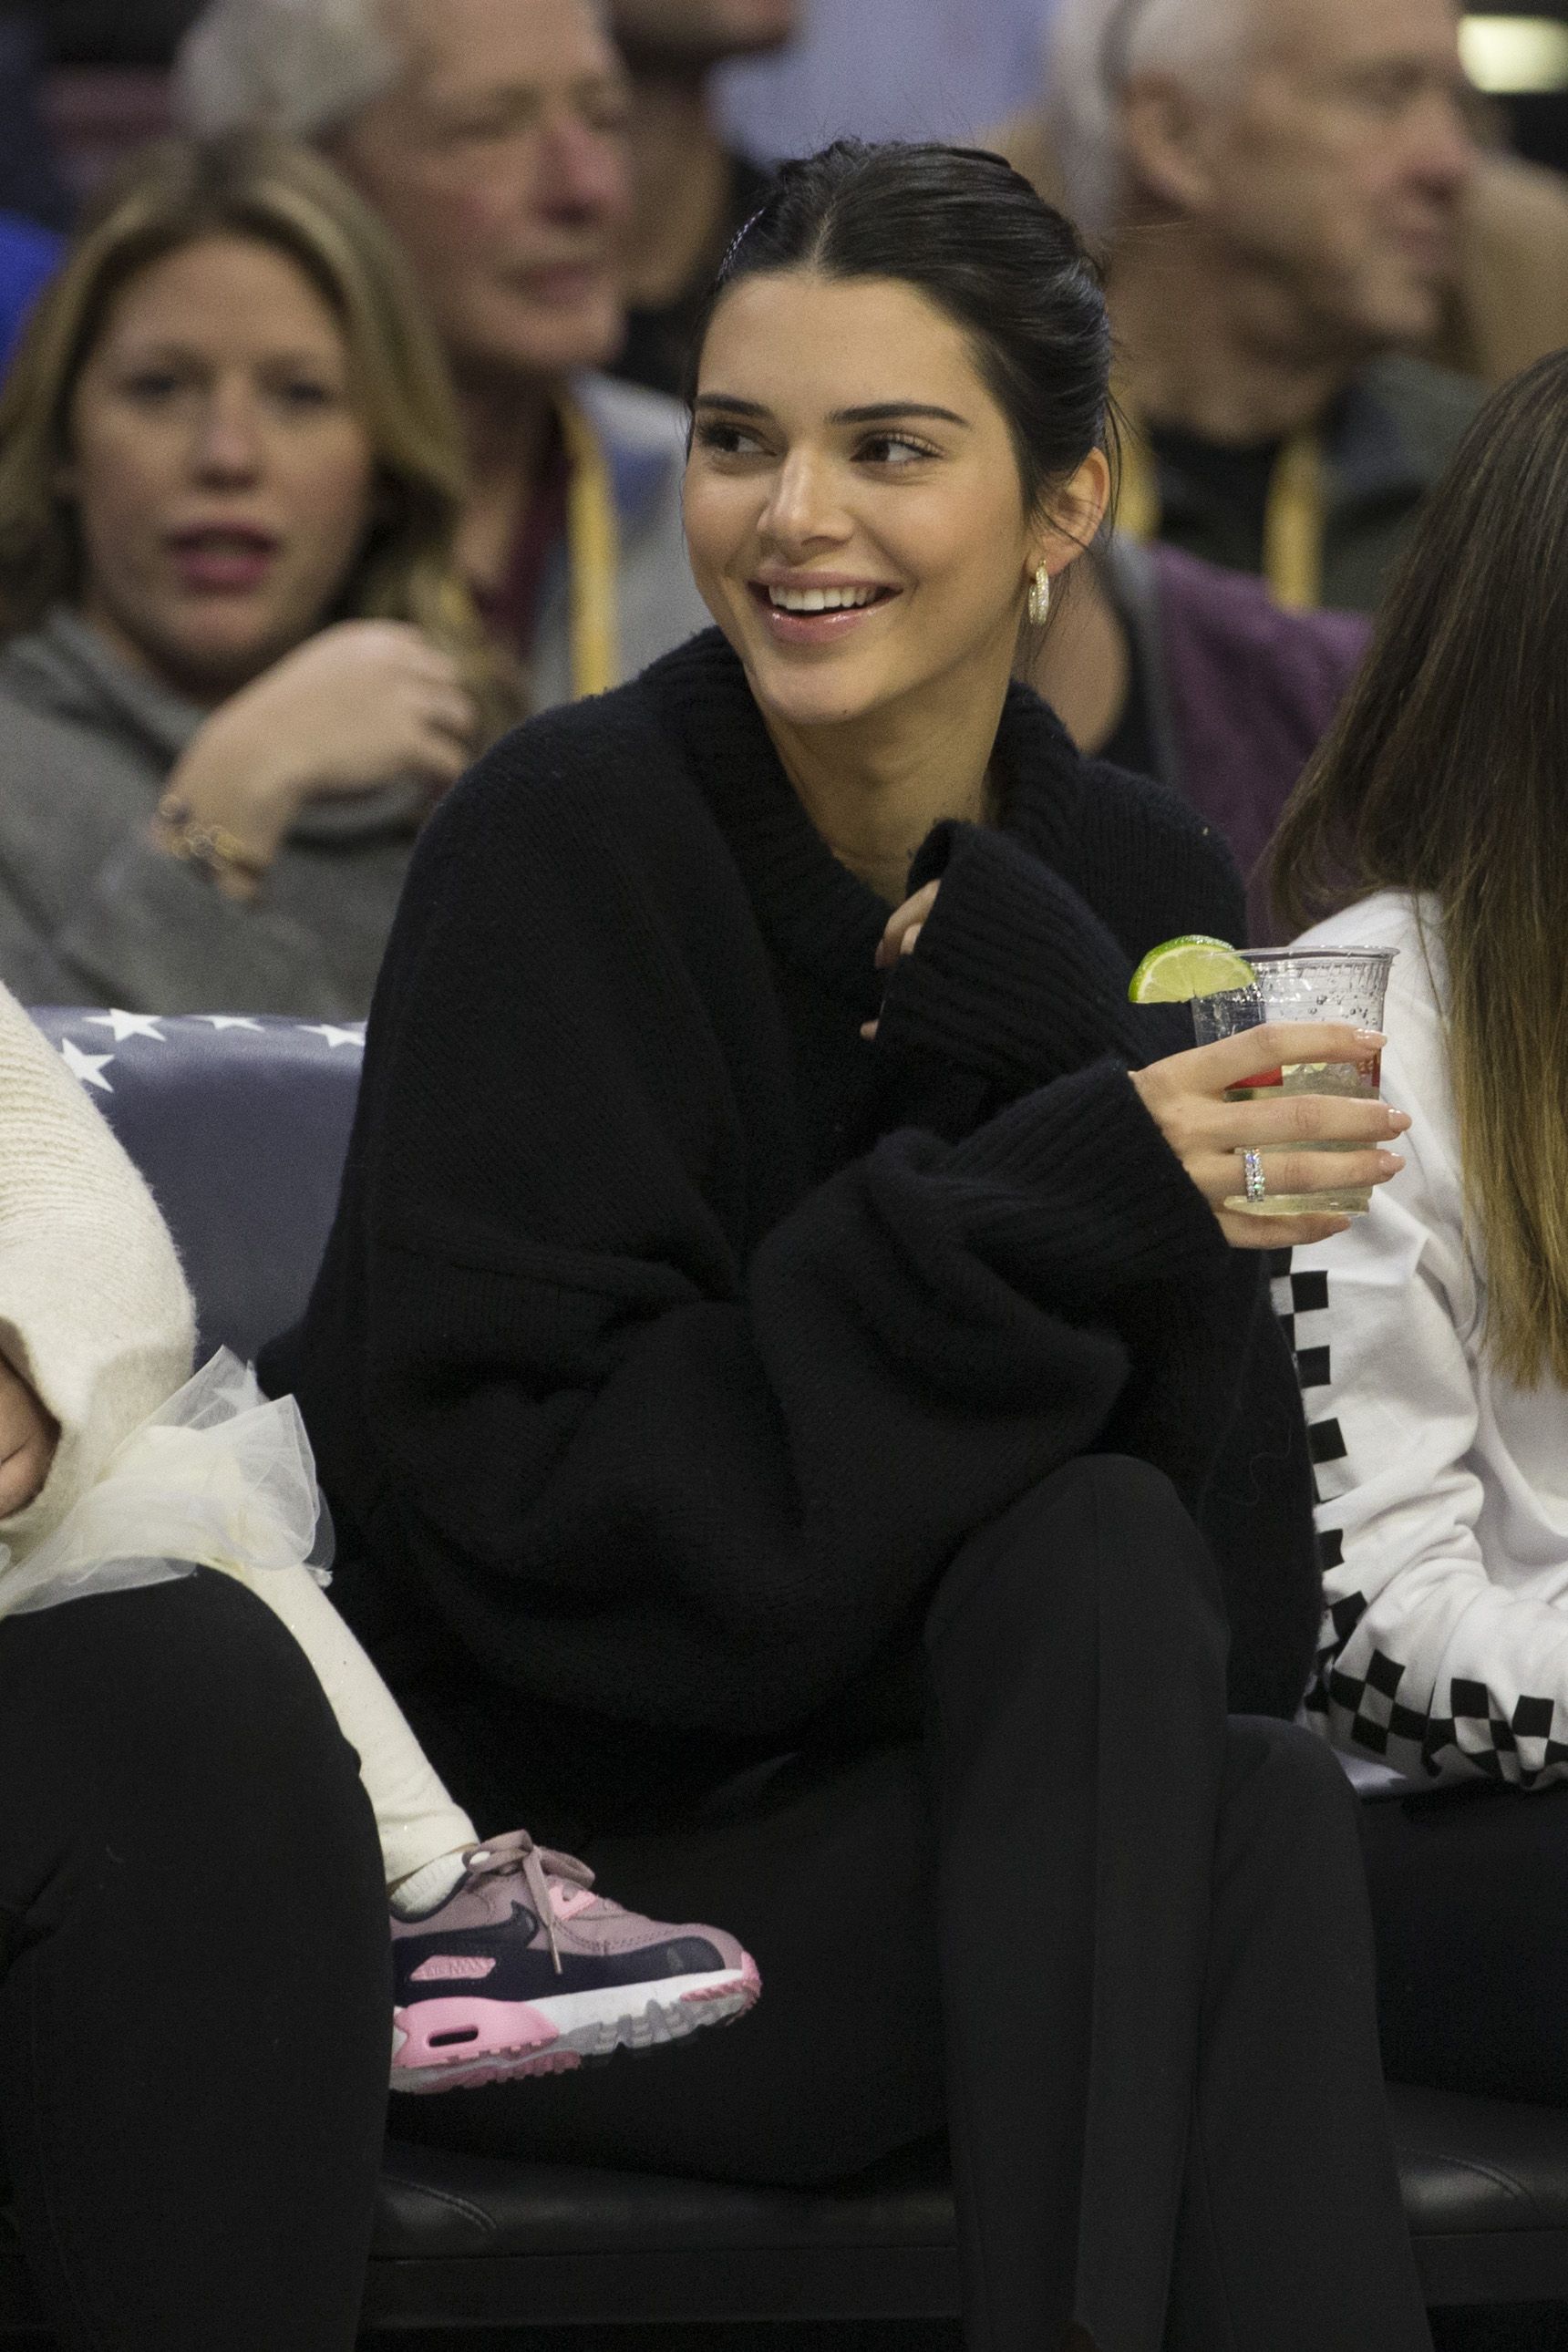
<point>33,203</point>
<point>886,69</point>
<point>28,257</point>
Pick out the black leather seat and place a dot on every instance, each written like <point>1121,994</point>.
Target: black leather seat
<point>241,1132</point>
<point>464,2242</point>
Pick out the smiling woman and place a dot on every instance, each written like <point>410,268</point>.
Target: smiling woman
<point>794,1454</point>
<point>240,662</point>
<point>958,464</point>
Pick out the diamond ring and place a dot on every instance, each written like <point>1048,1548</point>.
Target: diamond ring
<point>1252,1161</point>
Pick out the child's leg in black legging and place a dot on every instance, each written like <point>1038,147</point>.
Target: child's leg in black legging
<point>195,2003</point>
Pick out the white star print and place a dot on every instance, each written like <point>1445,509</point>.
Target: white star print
<point>127,1024</point>
<point>87,1068</point>
<point>333,1036</point>
<point>229,1020</point>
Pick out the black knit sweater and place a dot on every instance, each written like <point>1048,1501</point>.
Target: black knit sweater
<point>672,1338</point>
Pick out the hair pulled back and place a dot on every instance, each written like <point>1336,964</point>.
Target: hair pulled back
<point>959,225</point>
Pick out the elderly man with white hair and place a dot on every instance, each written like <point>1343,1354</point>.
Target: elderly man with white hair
<point>1278,185</point>
<point>491,134</point>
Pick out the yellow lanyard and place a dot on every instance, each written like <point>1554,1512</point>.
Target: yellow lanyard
<point>592,555</point>
<point>1293,526</point>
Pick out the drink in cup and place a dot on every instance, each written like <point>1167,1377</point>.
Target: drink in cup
<point>1304,984</point>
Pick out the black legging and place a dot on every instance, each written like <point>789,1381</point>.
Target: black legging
<point>194,1980</point>
<point>1470,1892</point>
<point>1138,1932</point>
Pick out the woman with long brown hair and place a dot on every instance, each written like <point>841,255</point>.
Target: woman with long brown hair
<point>1433,1339</point>
<point>240,657</point>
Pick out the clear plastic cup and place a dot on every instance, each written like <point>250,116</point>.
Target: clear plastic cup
<point>1304,984</point>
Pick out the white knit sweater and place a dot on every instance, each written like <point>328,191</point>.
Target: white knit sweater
<point>94,1310</point>
<point>1443,1487</point>
<point>95,1313</point>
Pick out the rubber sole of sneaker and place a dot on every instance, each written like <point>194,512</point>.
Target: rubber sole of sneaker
<point>553,2037</point>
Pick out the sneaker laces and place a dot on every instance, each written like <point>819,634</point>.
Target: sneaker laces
<point>515,1855</point>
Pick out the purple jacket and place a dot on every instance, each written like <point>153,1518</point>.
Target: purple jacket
<point>1239,692</point>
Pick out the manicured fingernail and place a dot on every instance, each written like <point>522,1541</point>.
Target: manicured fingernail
<point>1399,1120</point>
<point>1371,1037</point>
<point>1393,1161</point>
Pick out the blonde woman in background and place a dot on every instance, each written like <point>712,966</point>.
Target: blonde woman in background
<point>240,662</point>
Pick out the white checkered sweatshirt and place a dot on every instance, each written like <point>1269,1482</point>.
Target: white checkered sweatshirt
<point>1442,1487</point>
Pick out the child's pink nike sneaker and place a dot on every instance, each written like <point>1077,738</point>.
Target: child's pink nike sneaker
<point>525,1970</point>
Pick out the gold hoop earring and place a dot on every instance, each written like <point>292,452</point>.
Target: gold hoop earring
<point>1040,597</point>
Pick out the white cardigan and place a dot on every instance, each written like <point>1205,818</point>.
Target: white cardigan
<point>95,1313</point>
<point>94,1310</point>
<point>1443,1487</point>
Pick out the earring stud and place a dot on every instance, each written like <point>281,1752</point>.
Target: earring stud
<point>1040,597</point>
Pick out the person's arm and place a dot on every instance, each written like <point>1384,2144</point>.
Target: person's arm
<point>95,1318</point>
<point>95,913</point>
<point>33,966</point>
<point>610,1440</point>
<point>1002,948</point>
<point>354,706</point>
<point>1016,978</point>
<point>149,932</point>
<point>91,912</point>
<point>1427,1661</point>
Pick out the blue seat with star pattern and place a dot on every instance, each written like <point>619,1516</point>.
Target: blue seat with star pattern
<point>239,1123</point>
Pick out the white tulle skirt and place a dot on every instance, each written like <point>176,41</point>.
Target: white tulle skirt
<point>221,1477</point>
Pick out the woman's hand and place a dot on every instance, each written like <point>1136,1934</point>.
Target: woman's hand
<point>1185,1098</point>
<point>360,703</point>
<point>903,930</point>
<point>29,1436</point>
<point>904,926</point>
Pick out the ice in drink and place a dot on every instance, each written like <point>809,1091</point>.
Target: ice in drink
<point>1362,1079</point>
<point>1292,985</point>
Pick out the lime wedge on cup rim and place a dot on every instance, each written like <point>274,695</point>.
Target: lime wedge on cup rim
<point>1179,970</point>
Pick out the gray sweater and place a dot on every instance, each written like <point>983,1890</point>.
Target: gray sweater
<point>91,913</point>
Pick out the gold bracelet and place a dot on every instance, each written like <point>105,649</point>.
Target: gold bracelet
<point>212,849</point>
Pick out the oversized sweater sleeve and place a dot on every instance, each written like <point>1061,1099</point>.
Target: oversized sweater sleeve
<point>1014,980</point>
<point>1017,981</point>
<point>94,1312</point>
<point>633,1463</point>
<point>1429,1660</point>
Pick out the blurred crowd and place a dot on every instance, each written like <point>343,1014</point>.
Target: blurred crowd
<point>342,425</point>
